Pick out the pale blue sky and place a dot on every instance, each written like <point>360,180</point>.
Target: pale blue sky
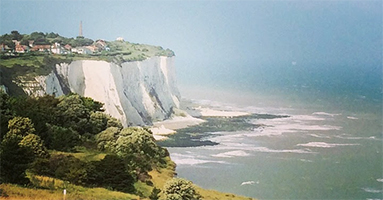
<point>218,34</point>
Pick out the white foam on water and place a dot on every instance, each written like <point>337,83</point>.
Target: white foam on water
<point>293,124</point>
<point>380,180</point>
<point>371,190</point>
<point>228,139</point>
<point>349,117</point>
<point>192,161</point>
<point>324,144</point>
<point>305,160</point>
<point>184,159</point>
<point>268,110</point>
<point>267,150</point>
<point>326,114</point>
<point>249,183</point>
<point>230,154</point>
<point>349,137</point>
<point>275,129</point>
<point>319,136</point>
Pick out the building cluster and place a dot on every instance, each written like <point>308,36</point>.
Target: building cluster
<point>55,48</point>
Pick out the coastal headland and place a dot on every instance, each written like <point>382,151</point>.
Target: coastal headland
<point>76,118</point>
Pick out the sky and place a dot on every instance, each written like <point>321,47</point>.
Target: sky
<point>211,35</point>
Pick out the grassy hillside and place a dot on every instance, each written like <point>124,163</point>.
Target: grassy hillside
<point>47,188</point>
<point>16,192</point>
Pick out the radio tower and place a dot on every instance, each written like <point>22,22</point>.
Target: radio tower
<point>80,33</point>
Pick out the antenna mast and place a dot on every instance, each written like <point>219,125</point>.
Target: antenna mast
<point>80,33</point>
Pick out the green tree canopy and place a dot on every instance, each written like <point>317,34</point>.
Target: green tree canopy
<point>61,138</point>
<point>18,149</point>
<point>40,110</point>
<point>139,146</point>
<point>34,144</point>
<point>75,112</point>
<point>6,113</point>
<point>20,126</point>
<point>16,35</point>
<point>106,139</point>
<point>112,172</point>
<point>14,160</point>
<point>52,35</point>
<point>37,35</point>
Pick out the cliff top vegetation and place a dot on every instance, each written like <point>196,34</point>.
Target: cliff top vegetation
<point>29,55</point>
<point>16,45</point>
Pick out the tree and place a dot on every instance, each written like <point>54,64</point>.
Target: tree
<point>155,194</point>
<point>41,110</point>
<point>24,42</point>
<point>16,35</point>
<point>91,104</point>
<point>75,112</point>
<point>37,35</point>
<point>52,35</point>
<point>34,144</point>
<point>14,160</point>
<point>113,172</point>
<point>41,41</point>
<point>62,139</point>
<point>6,113</point>
<point>81,41</point>
<point>7,40</point>
<point>107,138</point>
<point>62,166</point>
<point>20,126</point>
<point>113,122</point>
<point>139,145</point>
<point>98,121</point>
<point>16,156</point>
<point>180,189</point>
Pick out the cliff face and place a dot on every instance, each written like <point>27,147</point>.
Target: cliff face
<point>137,93</point>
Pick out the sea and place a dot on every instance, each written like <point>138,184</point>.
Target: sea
<point>330,146</point>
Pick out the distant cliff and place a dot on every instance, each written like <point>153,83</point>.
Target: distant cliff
<point>137,93</point>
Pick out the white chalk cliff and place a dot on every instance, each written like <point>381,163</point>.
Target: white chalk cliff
<point>137,93</point>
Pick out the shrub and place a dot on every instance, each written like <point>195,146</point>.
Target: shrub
<point>180,189</point>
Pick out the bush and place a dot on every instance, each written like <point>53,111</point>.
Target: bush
<point>111,172</point>
<point>62,139</point>
<point>138,145</point>
<point>180,189</point>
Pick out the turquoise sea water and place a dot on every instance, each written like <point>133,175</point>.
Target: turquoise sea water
<point>329,148</point>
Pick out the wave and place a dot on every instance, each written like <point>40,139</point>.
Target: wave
<point>380,180</point>
<point>319,136</point>
<point>230,154</point>
<point>267,150</point>
<point>192,161</point>
<point>274,129</point>
<point>324,144</point>
<point>349,137</point>
<point>183,159</point>
<point>325,114</point>
<point>292,124</point>
<point>371,190</point>
<point>305,160</point>
<point>249,183</point>
<point>349,117</point>
<point>240,148</point>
